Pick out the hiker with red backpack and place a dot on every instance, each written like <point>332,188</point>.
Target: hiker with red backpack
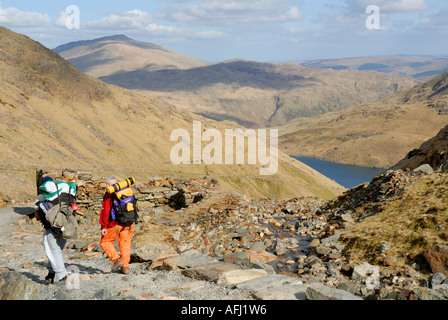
<point>118,216</point>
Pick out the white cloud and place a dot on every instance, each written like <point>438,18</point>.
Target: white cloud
<point>62,19</point>
<point>435,24</point>
<point>389,6</point>
<point>141,22</point>
<point>294,13</point>
<point>232,13</point>
<point>178,1</point>
<point>14,17</point>
<point>294,30</point>
<point>133,20</point>
<point>395,16</point>
<point>405,6</point>
<point>211,34</point>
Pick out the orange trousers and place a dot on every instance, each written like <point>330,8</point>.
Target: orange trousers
<point>124,234</point>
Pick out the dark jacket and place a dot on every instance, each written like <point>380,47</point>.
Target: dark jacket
<point>42,207</point>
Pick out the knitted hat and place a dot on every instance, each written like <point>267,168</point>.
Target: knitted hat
<point>48,186</point>
<point>46,179</point>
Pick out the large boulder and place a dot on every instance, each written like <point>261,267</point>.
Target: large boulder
<point>437,257</point>
<point>210,272</point>
<point>261,256</point>
<point>433,153</point>
<point>153,251</point>
<point>187,259</point>
<point>233,277</point>
<point>274,287</point>
<point>16,286</point>
<point>318,291</point>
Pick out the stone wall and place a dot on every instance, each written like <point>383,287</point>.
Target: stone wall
<point>151,192</point>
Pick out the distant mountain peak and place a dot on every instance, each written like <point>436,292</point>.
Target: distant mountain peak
<point>54,116</point>
<point>117,53</point>
<point>121,37</point>
<point>68,46</point>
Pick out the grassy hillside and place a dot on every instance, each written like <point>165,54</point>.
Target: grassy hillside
<point>261,94</point>
<point>378,134</point>
<point>415,66</point>
<point>409,223</point>
<point>253,94</point>
<point>109,55</point>
<point>54,116</point>
<point>401,213</point>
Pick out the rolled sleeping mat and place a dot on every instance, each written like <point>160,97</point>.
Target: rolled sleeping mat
<point>121,185</point>
<point>124,193</point>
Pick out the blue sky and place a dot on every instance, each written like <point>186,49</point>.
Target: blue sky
<point>261,30</point>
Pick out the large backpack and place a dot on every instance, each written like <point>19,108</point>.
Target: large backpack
<point>62,220</point>
<point>124,207</point>
<point>61,215</point>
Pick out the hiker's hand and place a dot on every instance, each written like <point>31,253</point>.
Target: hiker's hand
<point>103,232</point>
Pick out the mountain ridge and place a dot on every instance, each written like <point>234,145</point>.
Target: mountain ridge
<point>117,50</point>
<point>255,94</point>
<point>378,134</point>
<point>420,67</point>
<point>71,45</point>
<point>55,116</point>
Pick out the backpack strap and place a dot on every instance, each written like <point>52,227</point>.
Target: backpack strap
<point>113,207</point>
<point>57,191</point>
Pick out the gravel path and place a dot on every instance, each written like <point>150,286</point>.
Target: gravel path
<point>21,249</point>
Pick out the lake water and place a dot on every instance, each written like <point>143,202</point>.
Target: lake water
<point>346,175</point>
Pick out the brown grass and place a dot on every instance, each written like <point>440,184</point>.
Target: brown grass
<point>409,224</point>
<point>82,123</point>
<point>377,134</point>
<point>251,93</point>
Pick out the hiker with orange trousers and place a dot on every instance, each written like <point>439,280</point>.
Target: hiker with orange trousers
<point>111,229</point>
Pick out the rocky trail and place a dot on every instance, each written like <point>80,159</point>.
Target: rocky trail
<point>22,251</point>
<point>220,247</point>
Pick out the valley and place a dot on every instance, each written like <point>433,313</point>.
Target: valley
<point>229,203</point>
<point>250,93</point>
<point>377,134</point>
<point>218,226</point>
<point>56,117</point>
<point>349,111</point>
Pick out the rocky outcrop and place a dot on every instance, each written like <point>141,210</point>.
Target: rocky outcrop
<point>317,291</point>
<point>433,152</point>
<point>16,286</point>
<point>371,196</point>
<point>437,258</point>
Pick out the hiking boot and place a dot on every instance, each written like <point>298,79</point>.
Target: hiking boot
<point>117,264</point>
<point>124,270</point>
<point>62,282</point>
<point>50,277</point>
